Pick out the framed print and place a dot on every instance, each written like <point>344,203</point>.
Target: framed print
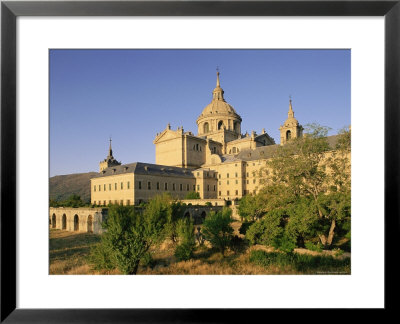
<point>133,74</point>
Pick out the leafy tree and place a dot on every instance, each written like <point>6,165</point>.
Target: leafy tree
<point>217,229</point>
<point>185,230</point>
<point>129,235</point>
<point>192,195</point>
<point>267,229</point>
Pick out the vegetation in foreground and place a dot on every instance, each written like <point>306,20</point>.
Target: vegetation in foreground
<point>304,203</point>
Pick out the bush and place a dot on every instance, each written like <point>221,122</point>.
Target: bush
<point>284,243</point>
<point>244,227</point>
<point>130,234</point>
<point>185,230</point>
<point>192,195</point>
<point>299,262</point>
<point>217,229</point>
<point>266,230</point>
<point>147,260</point>
<point>314,247</point>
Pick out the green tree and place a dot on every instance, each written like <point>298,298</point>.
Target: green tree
<point>217,229</point>
<point>186,246</point>
<point>130,234</point>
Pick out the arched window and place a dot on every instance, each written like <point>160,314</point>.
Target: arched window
<point>206,128</point>
<point>90,224</point>
<point>220,124</point>
<point>53,221</point>
<point>64,222</point>
<point>76,223</point>
<point>288,135</point>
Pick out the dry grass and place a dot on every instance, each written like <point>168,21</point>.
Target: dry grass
<point>69,251</point>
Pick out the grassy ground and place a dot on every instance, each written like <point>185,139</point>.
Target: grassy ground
<point>69,251</point>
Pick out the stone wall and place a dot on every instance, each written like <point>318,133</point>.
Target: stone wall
<point>77,219</point>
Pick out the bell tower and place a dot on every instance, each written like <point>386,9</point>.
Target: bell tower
<point>291,128</point>
<point>109,160</point>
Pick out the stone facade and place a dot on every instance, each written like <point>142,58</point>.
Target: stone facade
<point>218,163</point>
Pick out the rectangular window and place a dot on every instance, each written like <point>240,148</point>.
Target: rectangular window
<point>247,181</point>
<point>115,186</point>
<point>122,185</point>
<point>104,187</point>
<point>94,202</point>
<point>165,186</point>
<point>198,187</point>
<point>214,187</point>
<point>104,202</point>
<point>236,174</point>
<point>219,176</point>
<point>149,185</point>
<point>140,184</point>
<point>208,187</point>
<point>158,186</point>
<point>219,193</point>
<point>128,202</point>
<point>236,182</point>
<point>247,174</point>
<point>180,187</point>
<point>187,187</point>
<point>128,184</point>
<point>194,187</point>
<point>116,202</point>
<point>121,202</point>
<point>227,175</point>
<point>198,174</point>
<point>236,192</point>
<point>109,186</point>
<point>227,181</point>
<point>227,193</point>
<point>254,180</point>
<point>99,188</point>
<point>109,202</point>
<point>219,182</point>
<point>94,189</point>
<point>173,186</point>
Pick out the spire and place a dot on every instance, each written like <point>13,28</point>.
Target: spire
<point>218,93</point>
<point>110,149</point>
<point>291,112</point>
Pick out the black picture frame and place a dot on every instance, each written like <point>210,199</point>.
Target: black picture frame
<point>10,10</point>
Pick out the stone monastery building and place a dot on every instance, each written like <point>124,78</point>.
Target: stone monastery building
<point>219,162</point>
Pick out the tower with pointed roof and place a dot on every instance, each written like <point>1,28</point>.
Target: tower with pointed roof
<point>109,160</point>
<point>291,128</point>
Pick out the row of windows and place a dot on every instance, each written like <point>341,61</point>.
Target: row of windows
<point>128,185</point>
<point>237,182</point>
<point>158,186</point>
<point>110,202</point>
<point>236,192</point>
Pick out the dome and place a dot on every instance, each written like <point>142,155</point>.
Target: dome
<point>218,107</point>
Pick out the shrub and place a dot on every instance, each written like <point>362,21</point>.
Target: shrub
<point>130,234</point>
<point>314,247</point>
<point>217,229</point>
<point>192,195</point>
<point>265,230</point>
<point>185,230</point>
<point>284,243</point>
<point>147,260</point>
<point>244,227</point>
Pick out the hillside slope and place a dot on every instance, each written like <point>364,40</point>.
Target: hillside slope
<point>63,186</point>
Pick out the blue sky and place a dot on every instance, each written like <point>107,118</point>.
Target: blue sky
<point>131,95</point>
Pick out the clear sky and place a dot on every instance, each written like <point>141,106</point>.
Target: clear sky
<point>131,95</point>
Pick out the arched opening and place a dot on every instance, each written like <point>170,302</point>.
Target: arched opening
<point>64,222</point>
<point>220,124</point>
<point>90,224</point>
<point>206,128</point>
<point>187,215</point>
<point>53,221</point>
<point>236,127</point>
<point>76,223</point>
<point>288,135</point>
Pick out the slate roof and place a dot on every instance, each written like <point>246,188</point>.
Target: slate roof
<point>147,169</point>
